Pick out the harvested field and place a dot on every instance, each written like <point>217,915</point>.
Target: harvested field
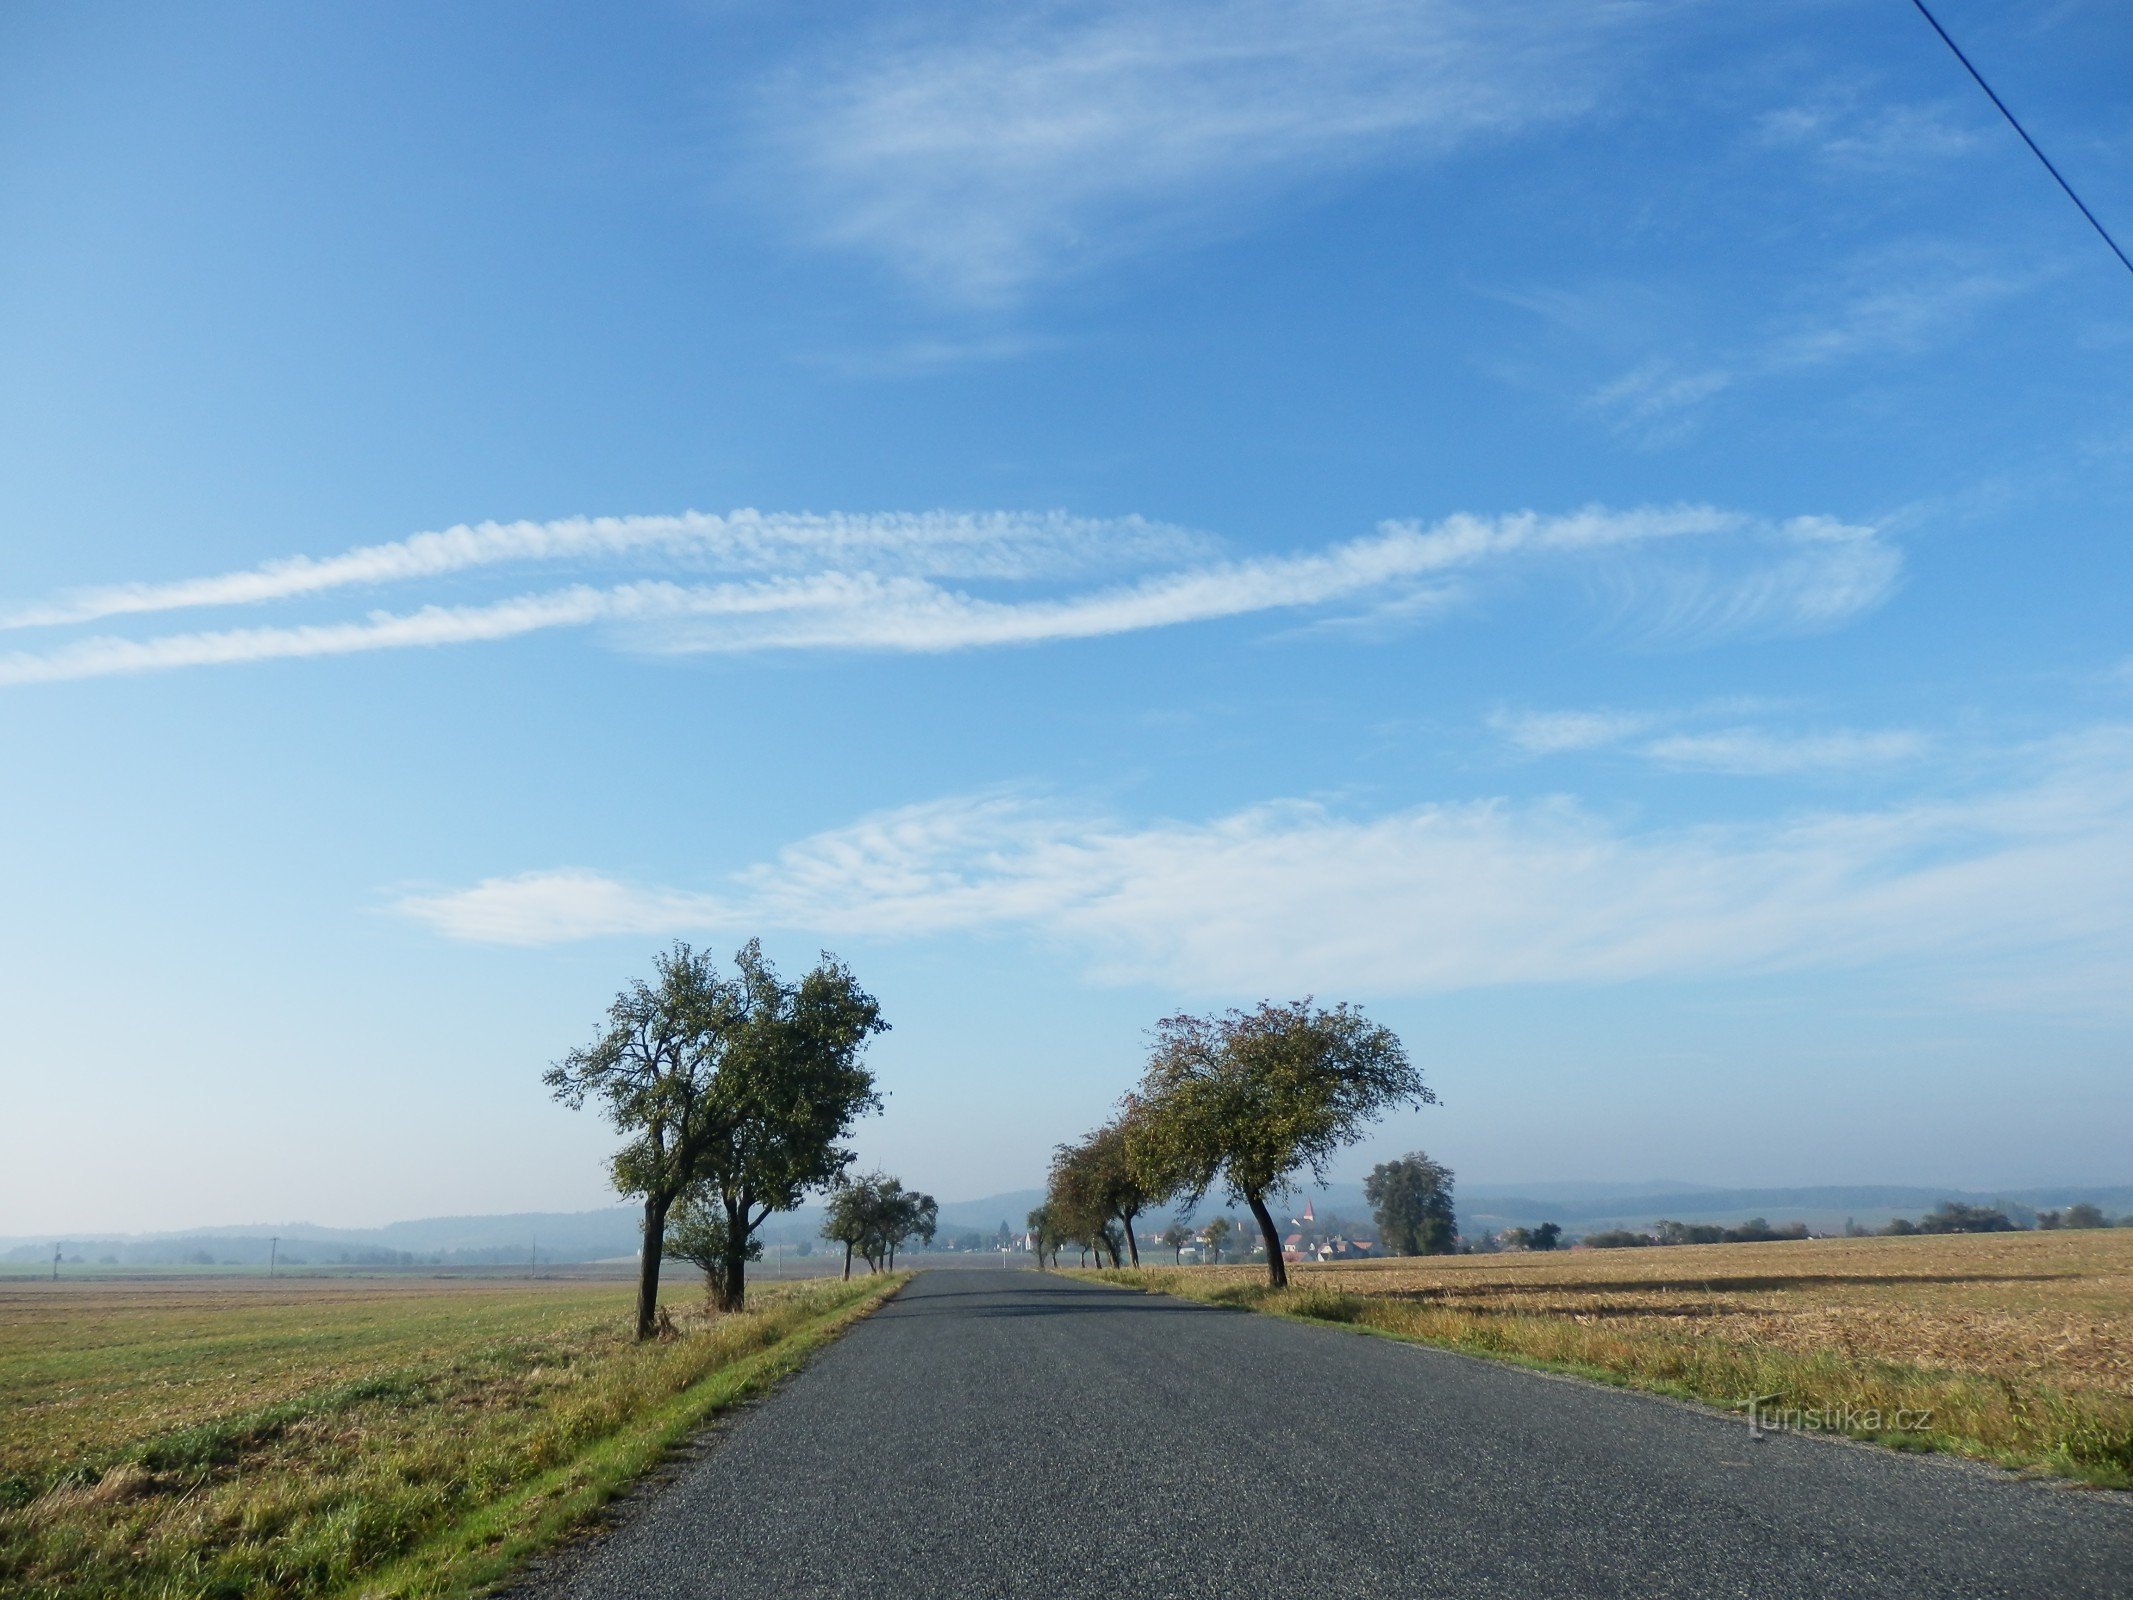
<point>239,1436</point>
<point>2020,1345</point>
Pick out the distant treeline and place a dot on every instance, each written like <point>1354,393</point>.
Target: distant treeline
<point>210,1251</point>
<point>1950,1216</point>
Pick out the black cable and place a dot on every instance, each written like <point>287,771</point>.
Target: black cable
<point>2101,231</point>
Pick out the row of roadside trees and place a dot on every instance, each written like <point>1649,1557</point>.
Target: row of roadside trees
<point>875,1216</point>
<point>1245,1103</point>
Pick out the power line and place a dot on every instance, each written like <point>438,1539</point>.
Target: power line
<point>2015,123</point>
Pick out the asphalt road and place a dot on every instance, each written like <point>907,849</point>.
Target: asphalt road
<point>1000,1433</point>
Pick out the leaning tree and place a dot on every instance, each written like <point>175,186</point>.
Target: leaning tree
<point>1254,1099</point>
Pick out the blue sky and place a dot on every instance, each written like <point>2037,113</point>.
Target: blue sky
<point>1595,530</point>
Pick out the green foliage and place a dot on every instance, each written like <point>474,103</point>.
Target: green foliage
<point>1545,1237</point>
<point>874,1216</point>
<point>1255,1099</point>
<point>1044,1234</point>
<point>1218,1232</point>
<point>1095,1183</point>
<point>1617,1239</point>
<point>1951,1216</point>
<point>743,1084</point>
<point>698,1232</point>
<point>1411,1199</point>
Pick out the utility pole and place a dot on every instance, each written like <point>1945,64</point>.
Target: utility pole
<point>273,1250</point>
<point>55,1261</point>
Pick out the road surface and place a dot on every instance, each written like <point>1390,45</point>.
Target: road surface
<point>1000,1433</point>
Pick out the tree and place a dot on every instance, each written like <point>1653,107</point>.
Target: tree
<point>1043,1234</point>
<point>697,1233</point>
<point>2083,1215</point>
<point>744,1084</point>
<point>1952,1216</point>
<point>1178,1235</point>
<point>1254,1099</point>
<point>909,1215</point>
<point>1097,1181</point>
<point>1217,1231</point>
<point>1544,1237</point>
<point>654,1067</point>
<point>1411,1198</point>
<point>844,1219</point>
<point>875,1215</point>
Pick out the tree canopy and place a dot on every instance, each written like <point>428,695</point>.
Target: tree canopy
<point>1411,1198</point>
<point>1095,1182</point>
<point>743,1085</point>
<point>1254,1100</point>
<point>874,1215</point>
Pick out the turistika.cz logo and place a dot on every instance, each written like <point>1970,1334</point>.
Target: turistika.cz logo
<point>1767,1416</point>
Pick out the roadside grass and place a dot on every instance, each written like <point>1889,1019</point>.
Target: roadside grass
<point>2018,1347</point>
<point>350,1438</point>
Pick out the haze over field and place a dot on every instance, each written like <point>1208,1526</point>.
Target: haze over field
<point>1596,532</point>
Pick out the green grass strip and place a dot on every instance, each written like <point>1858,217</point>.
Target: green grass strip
<point>489,1544</point>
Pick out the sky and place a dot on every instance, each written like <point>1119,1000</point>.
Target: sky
<point>1596,531</point>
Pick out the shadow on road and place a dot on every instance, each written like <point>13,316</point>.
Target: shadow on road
<point>1039,1298</point>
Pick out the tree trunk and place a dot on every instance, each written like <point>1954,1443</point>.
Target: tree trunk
<point>847,1261</point>
<point>733,1288</point>
<point>655,1243</point>
<point>1132,1243</point>
<point>1277,1270</point>
<point>733,1291</point>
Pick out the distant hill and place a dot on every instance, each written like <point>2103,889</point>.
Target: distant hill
<point>611,1231</point>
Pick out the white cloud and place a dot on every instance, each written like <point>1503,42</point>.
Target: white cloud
<point>981,150</point>
<point>1803,576</point>
<point>1800,574</point>
<point>1756,752</point>
<point>937,544</point>
<point>1291,897</point>
<point>1849,130</point>
<point>1897,301</point>
<point>1743,750</point>
<point>1547,733</point>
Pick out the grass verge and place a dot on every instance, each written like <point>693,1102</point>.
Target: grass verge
<point>487,1439</point>
<point>2021,1422</point>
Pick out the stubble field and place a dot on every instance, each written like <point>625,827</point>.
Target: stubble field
<point>238,1436</point>
<point>2020,1346</point>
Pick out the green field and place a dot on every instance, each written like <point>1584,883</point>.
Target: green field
<point>233,1436</point>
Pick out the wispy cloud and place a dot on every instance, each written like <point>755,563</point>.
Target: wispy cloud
<point>937,544</point>
<point>1852,128</point>
<point>868,584</point>
<point>1809,574</point>
<point>1897,301</point>
<point>1289,896</point>
<point>1547,733</point>
<point>1760,752</point>
<point>1747,751</point>
<point>980,151</point>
